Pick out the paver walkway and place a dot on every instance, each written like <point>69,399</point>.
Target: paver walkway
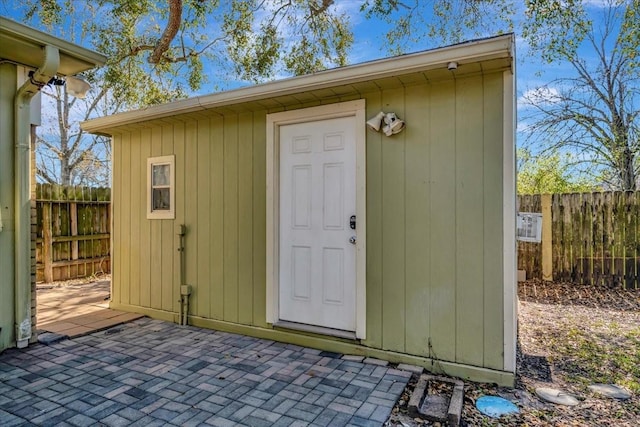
<point>150,372</point>
<point>76,310</point>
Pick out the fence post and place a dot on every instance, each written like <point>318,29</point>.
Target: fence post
<point>73,217</point>
<point>47,242</point>
<point>547,238</point>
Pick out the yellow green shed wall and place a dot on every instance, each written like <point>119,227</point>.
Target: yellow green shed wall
<point>435,269</point>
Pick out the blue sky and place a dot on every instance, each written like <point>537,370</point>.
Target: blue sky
<point>369,45</point>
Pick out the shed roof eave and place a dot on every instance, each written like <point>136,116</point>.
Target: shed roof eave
<point>469,52</point>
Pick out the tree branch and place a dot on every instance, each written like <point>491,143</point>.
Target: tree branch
<point>173,25</point>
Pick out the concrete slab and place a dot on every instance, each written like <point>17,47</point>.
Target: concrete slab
<point>556,396</point>
<point>611,390</point>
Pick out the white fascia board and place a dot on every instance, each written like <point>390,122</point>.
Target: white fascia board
<point>469,52</point>
<point>39,39</point>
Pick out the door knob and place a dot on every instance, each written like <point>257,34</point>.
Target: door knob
<point>352,240</point>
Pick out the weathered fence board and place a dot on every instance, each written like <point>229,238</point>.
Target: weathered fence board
<point>74,228</point>
<point>530,254</point>
<point>595,238</point>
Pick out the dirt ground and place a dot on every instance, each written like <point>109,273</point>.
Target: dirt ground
<point>569,336</point>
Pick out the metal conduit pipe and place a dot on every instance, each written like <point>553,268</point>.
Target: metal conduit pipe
<point>185,290</point>
<point>22,162</point>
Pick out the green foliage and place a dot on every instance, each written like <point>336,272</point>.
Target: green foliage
<point>152,62</point>
<point>556,28</point>
<point>596,358</point>
<point>594,111</point>
<point>551,173</point>
<point>429,24</point>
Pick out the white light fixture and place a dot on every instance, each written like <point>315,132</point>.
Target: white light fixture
<point>375,122</point>
<point>77,86</point>
<point>452,66</point>
<point>393,124</point>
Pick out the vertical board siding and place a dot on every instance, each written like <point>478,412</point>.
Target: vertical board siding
<point>179,132</point>
<point>469,221</point>
<point>245,218</point>
<point>230,208</point>
<point>442,278</point>
<point>192,239</point>
<point>417,230</point>
<point>146,286</point>
<point>393,230</point>
<point>374,226</point>
<point>138,208</point>
<point>169,249</point>
<point>202,226</point>
<point>117,211</point>
<point>259,219</point>
<point>126,243</point>
<point>217,220</point>
<point>595,239</point>
<point>157,247</point>
<point>434,220</point>
<point>492,223</point>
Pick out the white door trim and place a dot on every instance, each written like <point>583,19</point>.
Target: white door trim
<point>274,121</point>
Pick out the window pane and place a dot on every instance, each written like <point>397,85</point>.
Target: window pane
<point>161,175</point>
<point>160,201</point>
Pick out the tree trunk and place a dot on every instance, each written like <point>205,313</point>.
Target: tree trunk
<point>628,171</point>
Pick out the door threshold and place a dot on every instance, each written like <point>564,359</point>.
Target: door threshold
<point>320,330</point>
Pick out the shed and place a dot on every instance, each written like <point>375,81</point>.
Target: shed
<point>28,60</point>
<point>304,225</point>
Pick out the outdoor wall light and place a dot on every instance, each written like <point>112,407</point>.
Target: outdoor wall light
<point>392,124</point>
<point>452,66</point>
<point>77,86</point>
<point>375,122</point>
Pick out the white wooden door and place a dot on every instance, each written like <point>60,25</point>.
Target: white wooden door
<point>317,200</point>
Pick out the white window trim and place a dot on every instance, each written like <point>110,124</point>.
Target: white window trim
<point>171,212</point>
<point>274,121</point>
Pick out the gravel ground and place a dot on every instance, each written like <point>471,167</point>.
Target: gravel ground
<point>569,336</point>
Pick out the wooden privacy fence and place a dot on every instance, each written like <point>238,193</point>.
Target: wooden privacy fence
<point>74,225</point>
<point>595,238</point>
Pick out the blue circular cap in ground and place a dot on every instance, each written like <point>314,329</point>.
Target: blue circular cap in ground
<point>495,406</point>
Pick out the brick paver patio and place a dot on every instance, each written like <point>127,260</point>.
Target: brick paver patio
<point>150,372</point>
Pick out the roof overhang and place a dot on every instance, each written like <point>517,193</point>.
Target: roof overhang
<point>24,45</point>
<point>473,57</point>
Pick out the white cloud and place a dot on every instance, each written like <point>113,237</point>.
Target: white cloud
<point>540,95</point>
<point>523,127</point>
<point>597,3</point>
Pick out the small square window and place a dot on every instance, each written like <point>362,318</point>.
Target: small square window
<point>160,187</point>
